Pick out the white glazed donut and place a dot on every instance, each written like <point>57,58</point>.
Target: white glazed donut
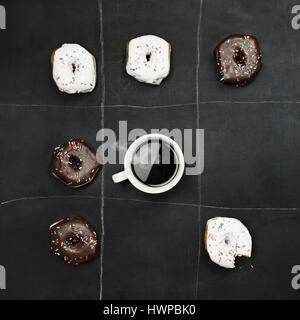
<point>225,239</point>
<point>74,69</point>
<point>148,59</point>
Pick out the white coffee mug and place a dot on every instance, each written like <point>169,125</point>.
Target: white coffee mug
<point>129,157</point>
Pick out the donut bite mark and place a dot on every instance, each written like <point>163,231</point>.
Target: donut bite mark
<point>238,59</point>
<point>74,240</point>
<point>225,239</point>
<point>74,163</point>
<point>148,59</point>
<point>73,69</point>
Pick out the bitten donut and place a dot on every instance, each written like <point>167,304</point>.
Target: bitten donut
<point>74,240</point>
<point>73,69</point>
<point>225,239</point>
<point>74,163</point>
<point>239,59</point>
<point>148,59</point>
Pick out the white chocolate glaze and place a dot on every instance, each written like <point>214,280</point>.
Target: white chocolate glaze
<point>227,238</point>
<point>148,59</point>
<point>74,69</point>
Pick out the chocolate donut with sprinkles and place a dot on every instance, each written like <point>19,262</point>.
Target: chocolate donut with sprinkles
<point>74,163</point>
<point>74,240</point>
<point>239,59</point>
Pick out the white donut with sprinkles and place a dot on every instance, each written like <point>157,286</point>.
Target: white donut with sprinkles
<point>74,69</point>
<point>148,59</point>
<point>226,239</point>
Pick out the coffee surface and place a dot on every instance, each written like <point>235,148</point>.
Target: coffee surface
<point>155,163</point>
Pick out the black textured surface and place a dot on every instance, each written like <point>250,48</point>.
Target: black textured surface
<point>33,133</point>
<point>270,23</point>
<point>267,274</point>
<point>158,255</point>
<point>153,245</point>
<point>33,271</point>
<point>34,30</point>
<point>176,22</point>
<point>251,155</point>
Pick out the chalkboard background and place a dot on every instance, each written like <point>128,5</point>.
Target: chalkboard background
<point>152,246</point>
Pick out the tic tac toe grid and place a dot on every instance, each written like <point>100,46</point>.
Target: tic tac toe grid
<point>151,246</point>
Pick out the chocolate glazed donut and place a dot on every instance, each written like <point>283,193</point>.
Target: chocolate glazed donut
<point>74,240</point>
<point>239,59</point>
<point>74,163</point>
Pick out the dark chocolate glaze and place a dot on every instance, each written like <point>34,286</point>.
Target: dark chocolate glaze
<point>239,59</point>
<point>74,240</point>
<point>74,163</point>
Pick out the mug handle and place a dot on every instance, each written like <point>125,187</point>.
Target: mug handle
<point>119,177</point>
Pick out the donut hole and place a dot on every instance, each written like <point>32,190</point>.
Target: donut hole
<point>148,56</point>
<point>74,67</point>
<point>240,57</point>
<point>73,239</point>
<point>227,240</point>
<point>75,162</point>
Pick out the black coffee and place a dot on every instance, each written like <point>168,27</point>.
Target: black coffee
<point>155,163</point>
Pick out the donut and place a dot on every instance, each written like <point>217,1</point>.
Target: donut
<point>148,59</point>
<point>238,59</point>
<point>74,240</point>
<point>225,239</point>
<point>73,69</point>
<point>74,163</point>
